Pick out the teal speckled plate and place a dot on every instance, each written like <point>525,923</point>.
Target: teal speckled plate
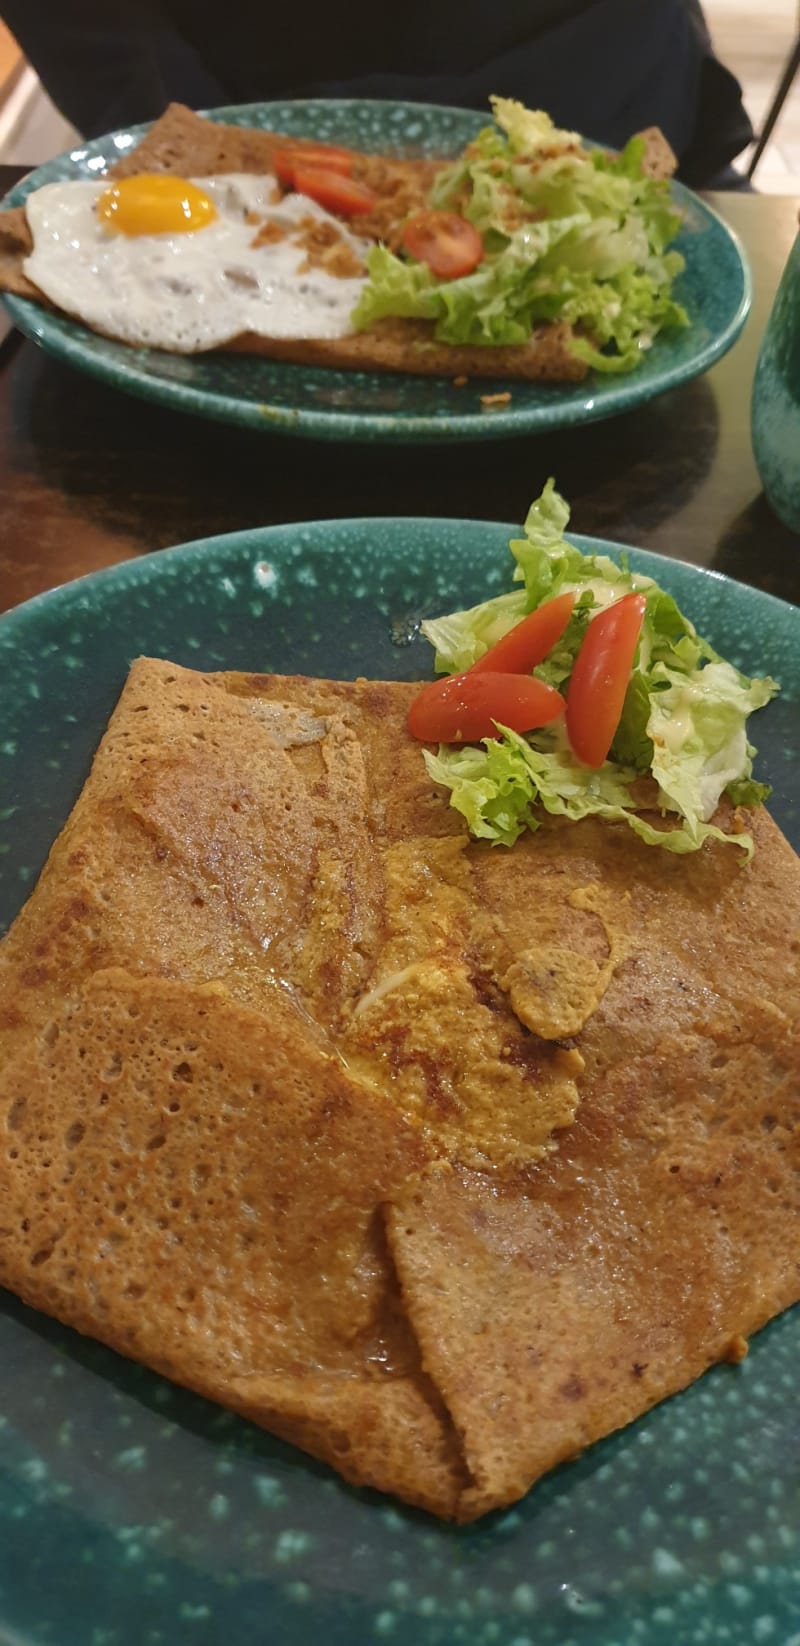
<point>134,1514</point>
<point>346,405</point>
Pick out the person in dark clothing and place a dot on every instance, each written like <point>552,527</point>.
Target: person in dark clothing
<point>606,68</point>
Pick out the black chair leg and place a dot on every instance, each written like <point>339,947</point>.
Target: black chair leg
<point>792,66</point>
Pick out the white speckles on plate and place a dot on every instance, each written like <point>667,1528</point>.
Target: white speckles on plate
<point>265,575</point>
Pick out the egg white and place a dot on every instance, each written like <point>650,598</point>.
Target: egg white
<point>195,290</point>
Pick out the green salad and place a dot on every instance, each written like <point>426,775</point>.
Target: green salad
<point>568,234</point>
<point>682,723</point>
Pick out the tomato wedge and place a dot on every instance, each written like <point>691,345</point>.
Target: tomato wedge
<point>599,680</point>
<point>464,707</point>
<point>446,242</point>
<point>341,195</point>
<point>530,640</point>
<point>325,155</point>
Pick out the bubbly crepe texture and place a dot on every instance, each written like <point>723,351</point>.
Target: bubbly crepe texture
<point>437,1160</point>
<point>185,144</point>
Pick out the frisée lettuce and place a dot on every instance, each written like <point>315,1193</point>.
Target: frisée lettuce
<point>570,234</point>
<point>683,723</point>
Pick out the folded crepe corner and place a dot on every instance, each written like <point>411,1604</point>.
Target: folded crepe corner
<point>439,1162</point>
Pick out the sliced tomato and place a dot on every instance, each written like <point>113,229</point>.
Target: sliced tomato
<point>325,155</point>
<point>529,641</point>
<point>446,242</point>
<point>464,707</point>
<point>599,680</point>
<point>341,195</point>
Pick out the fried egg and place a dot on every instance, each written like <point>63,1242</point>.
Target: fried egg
<point>188,264</point>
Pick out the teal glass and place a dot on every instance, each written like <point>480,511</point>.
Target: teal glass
<point>776,398</point>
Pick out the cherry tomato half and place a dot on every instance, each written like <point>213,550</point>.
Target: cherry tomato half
<point>530,640</point>
<point>446,242</point>
<point>286,160</point>
<point>464,707</point>
<point>341,195</point>
<point>599,680</point>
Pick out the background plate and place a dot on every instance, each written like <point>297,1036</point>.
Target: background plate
<point>134,1514</point>
<point>338,405</point>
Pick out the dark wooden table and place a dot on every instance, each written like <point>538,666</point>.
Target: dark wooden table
<point>90,477</point>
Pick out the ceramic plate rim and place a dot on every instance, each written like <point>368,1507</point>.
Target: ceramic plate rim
<point>141,567</point>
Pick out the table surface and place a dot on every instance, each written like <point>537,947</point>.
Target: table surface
<point>90,477</point>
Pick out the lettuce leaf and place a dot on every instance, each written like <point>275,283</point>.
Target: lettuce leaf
<point>683,722</point>
<point>570,234</point>
<point>497,304</point>
<point>697,727</point>
<point>527,129</point>
<point>498,787</point>
<point>547,565</point>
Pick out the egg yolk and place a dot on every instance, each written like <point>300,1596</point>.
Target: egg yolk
<point>155,203</point>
